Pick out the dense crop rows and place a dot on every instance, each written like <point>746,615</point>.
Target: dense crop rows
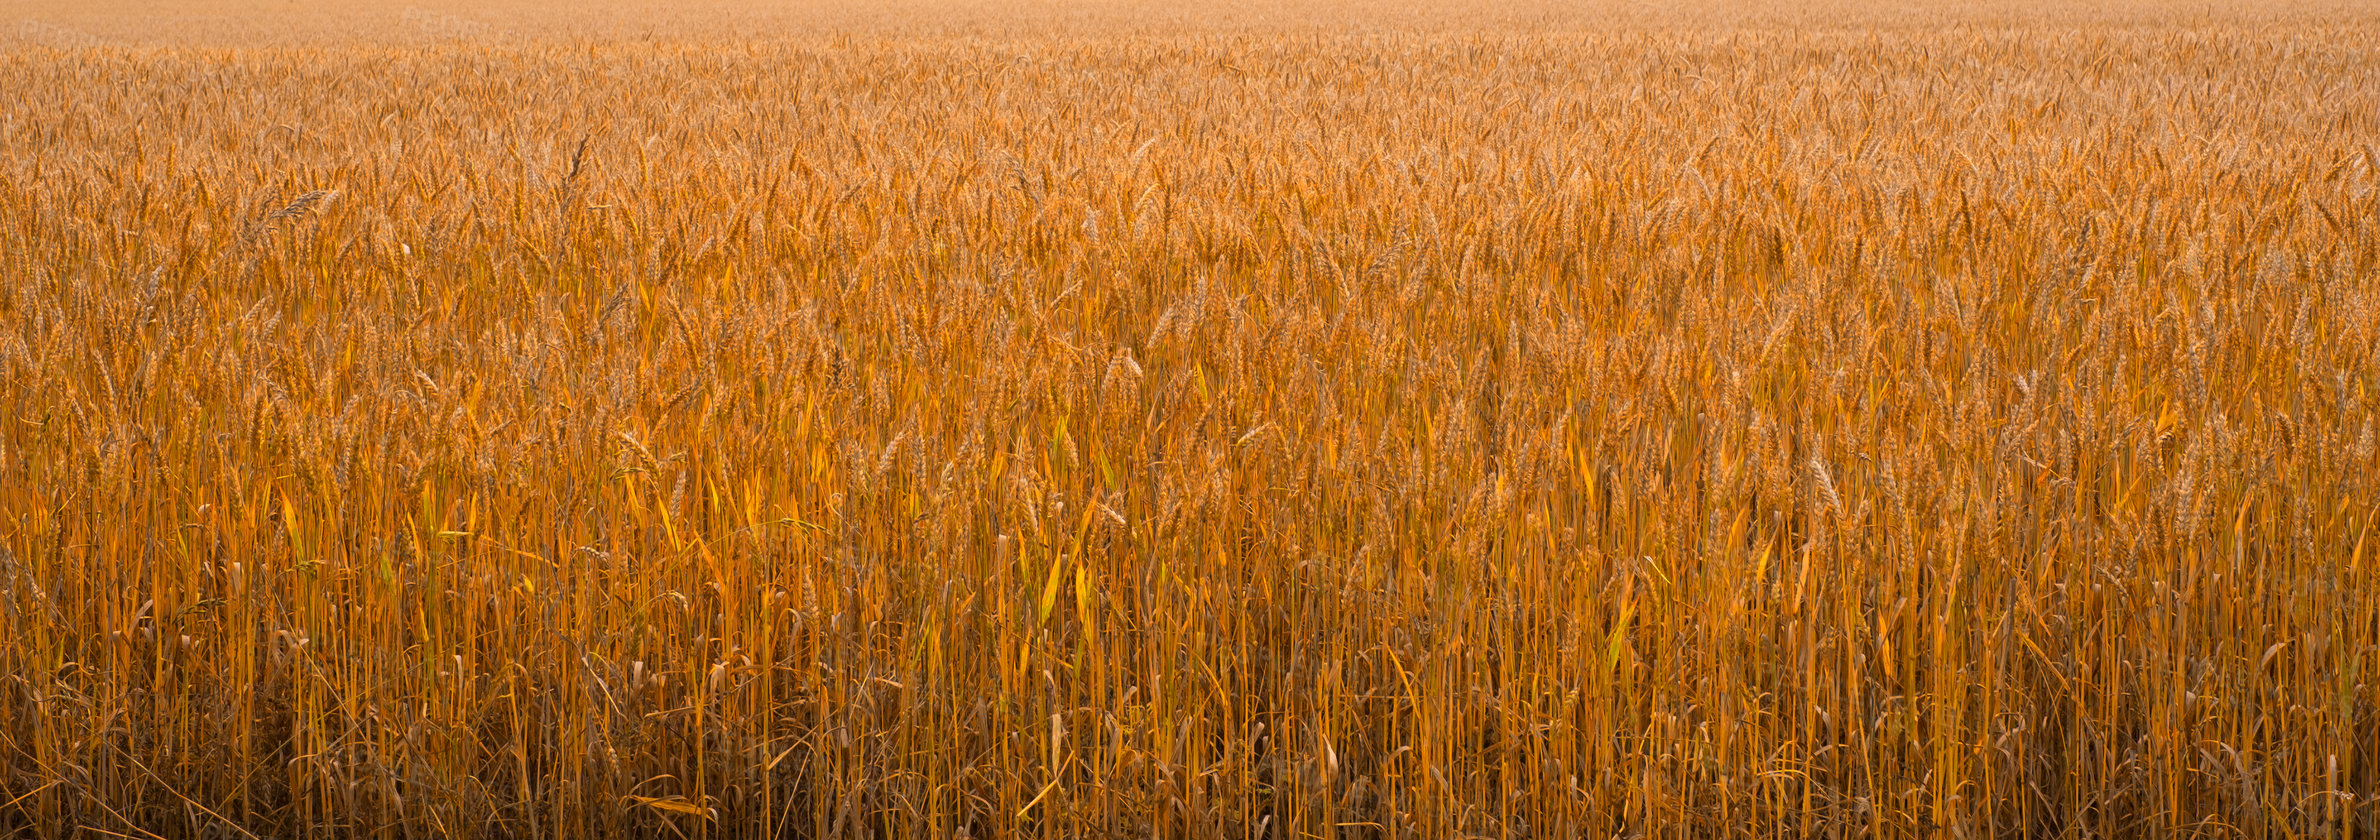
<point>1954,434</point>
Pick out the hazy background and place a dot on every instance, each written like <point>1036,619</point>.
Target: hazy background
<point>232,22</point>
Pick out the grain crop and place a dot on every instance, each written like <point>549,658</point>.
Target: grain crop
<point>436,425</point>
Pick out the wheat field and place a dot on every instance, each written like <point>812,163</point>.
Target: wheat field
<point>1089,422</point>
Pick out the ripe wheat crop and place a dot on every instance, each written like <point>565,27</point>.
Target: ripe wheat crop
<point>1760,431</point>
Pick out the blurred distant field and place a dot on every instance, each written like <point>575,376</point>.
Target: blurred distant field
<point>1269,420</point>
<point>265,23</point>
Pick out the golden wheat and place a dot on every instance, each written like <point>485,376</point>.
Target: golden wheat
<point>1179,432</point>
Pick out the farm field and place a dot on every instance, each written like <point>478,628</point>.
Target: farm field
<point>1267,421</point>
